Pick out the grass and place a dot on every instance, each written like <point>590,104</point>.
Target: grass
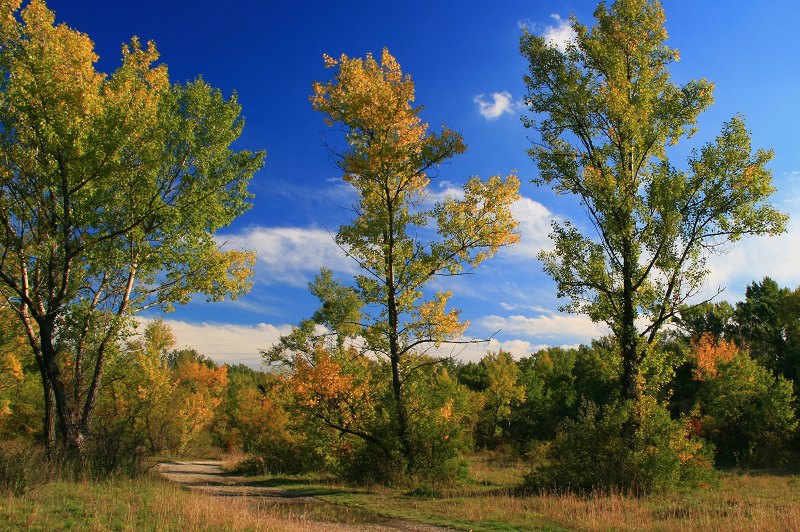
<point>140,504</point>
<point>741,501</point>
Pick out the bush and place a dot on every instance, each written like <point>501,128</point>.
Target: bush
<point>747,412</point>
<point>269,433</point>
<point>630,447</point>
<point>23,466</point>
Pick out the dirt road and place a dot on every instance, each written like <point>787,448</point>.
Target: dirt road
<point>209,478</point>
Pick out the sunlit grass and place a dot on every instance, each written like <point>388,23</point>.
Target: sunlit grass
<point>741,501</point>
<point>141,504</point>
<point>490,501</point>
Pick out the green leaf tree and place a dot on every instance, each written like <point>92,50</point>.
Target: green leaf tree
<point>504,392</point>
<point>767,324</point>
<point>606,113</point>
<point>112,189</point>
<point>388,162</point>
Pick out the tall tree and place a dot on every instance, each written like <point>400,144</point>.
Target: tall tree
<point>606,112</point>
<point>112,189</point>
<point>390,156</point>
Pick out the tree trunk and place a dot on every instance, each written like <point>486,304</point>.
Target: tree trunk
<point>70,434</point>
<point>629,344</point>
<point>402,414</point>
<point>49,425</point>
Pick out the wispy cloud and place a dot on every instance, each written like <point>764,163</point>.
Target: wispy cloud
<point>522,306</point>
<point>557,35</point>
<point>498,104</point>
<point>445,190</point>
<point>290,255</point>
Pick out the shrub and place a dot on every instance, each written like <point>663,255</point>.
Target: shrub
<point>747,412</point>
<point>631,447</point>
<point>269,433</point>
<point>23,466</point>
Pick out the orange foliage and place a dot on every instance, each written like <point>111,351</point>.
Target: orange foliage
<point>709,352</point>
<point>332,388</point>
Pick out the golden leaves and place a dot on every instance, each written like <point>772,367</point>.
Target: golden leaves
<point>478,225</point>
<point>10,376</point>
<point>435,323</point>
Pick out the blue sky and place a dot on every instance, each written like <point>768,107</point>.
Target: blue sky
<point>464,59</point>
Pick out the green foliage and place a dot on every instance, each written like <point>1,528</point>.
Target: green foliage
<point>767,324</point>
<point>714,318</point>
<point>442,421</point>
<point>502,394</point>
<point>278,444</point>
<point>557,381</point>
<point>631,447</point>
<point>748,413</point>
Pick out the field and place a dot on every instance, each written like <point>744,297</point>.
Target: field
<point>741,501</point>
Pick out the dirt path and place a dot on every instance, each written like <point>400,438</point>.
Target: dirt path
<point>209,478</point>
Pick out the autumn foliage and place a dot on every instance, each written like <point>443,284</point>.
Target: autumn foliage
<point>709,352</point>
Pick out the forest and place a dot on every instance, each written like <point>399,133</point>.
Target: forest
<point>115,185</point>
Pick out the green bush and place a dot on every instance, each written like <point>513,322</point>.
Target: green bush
<point>440,425</point>
<point>630,447</point>
<point>748,413</point>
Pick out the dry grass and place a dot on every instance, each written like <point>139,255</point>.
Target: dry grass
<point>746,501</point>
<point>143,504</point>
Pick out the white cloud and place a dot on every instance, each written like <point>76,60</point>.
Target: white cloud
<point>476,350</point>
<point>290,255</point>
<point>551,326</point>
<point>557,35</point>
<point>226,342</point>
<point>560,34</point>
<point>534,228</point>
<point>500,103</point>
<point>751,259</point>
<point>446,190</point>
<point>520,306</point>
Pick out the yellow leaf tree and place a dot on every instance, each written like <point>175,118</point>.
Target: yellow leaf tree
<point>400,239</point>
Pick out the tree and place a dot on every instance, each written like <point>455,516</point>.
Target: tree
<point>606,113</point>
<point>746,410</point>
<point>390,156</point>
<point>767,324</point>
<point>504,391</point>
<point>112,189</point>
<point>712,318</point>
